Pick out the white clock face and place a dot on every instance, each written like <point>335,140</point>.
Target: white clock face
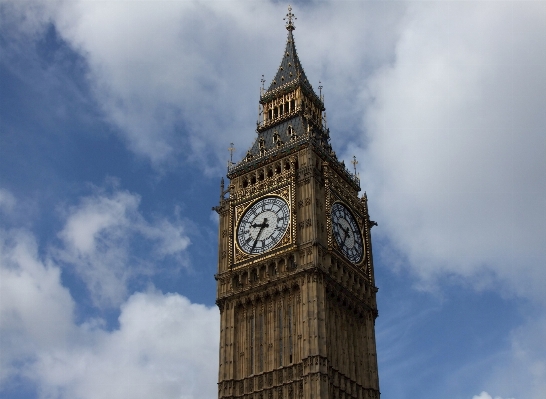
<point>263,225</point>
<point>346,233</point>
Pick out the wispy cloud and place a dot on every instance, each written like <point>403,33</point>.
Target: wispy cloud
<point>103,240</point>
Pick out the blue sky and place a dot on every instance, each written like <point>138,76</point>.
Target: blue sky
<point>115,119</point>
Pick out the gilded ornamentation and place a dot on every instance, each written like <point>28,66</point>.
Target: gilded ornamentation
<point>303,280</point>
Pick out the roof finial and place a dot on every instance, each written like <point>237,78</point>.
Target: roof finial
<point>290,17</point>
<point>230,149</point>
<point>354,162</point>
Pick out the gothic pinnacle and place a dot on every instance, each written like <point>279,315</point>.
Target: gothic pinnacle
<point>290,19</point>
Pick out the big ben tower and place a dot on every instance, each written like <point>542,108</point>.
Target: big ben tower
<point>295,277</point>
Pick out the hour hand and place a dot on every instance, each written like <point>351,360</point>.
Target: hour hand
<point>264,224</point>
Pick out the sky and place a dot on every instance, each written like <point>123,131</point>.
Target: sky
<point>115,123</point>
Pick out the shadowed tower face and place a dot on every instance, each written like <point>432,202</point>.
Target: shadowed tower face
<point>296,287</point>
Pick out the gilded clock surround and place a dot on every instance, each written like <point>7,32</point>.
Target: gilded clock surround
<point>297,321</point>
<point>357,235</point>
<point>287,239</point>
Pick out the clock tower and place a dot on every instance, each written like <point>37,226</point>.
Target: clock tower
<point>295,281</point>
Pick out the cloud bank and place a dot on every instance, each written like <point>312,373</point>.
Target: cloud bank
<point>164,346</point>
<point>456,128</point>
<point>441,102</point>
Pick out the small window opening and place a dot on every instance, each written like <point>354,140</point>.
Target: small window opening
<point>245,183</point>
<point>253,180</point>
<point>261,175</point>
<point>269,172</point>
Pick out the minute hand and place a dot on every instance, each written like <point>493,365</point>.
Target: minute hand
<point>345,233</point>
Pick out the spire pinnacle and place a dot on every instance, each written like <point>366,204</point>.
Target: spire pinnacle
<point>290,19</point>
<point>354,162</point>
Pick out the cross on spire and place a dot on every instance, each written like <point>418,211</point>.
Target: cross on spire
<point>290,19</point>
<point>230,149</point>
<point>354,162</point>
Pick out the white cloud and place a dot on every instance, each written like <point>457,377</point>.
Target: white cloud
<point>485,395</point>
<point>453,118</point>
<point>7,201</point>
<point>177,77</point>
<point>35,310</point>
<point>160,70</point>
<point>100,239</point>
<point>456,165</point>
<point>524,366</point>
<point>164,347</point>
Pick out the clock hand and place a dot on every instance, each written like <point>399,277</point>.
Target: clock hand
<point>343,230</point>
<point>261,226</point>
<point>345,233</point>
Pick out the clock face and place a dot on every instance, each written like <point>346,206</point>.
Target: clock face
<point>263,225</point>
<point>346,233</point>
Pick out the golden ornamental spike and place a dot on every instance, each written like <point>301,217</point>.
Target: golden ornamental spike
<point>231,149</point>
<point>290,19</point>
<point>354,162</point>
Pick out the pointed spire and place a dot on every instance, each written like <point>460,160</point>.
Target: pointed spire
<point>290,69</point>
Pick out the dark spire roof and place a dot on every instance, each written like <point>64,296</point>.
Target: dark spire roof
<point>290,70</point>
